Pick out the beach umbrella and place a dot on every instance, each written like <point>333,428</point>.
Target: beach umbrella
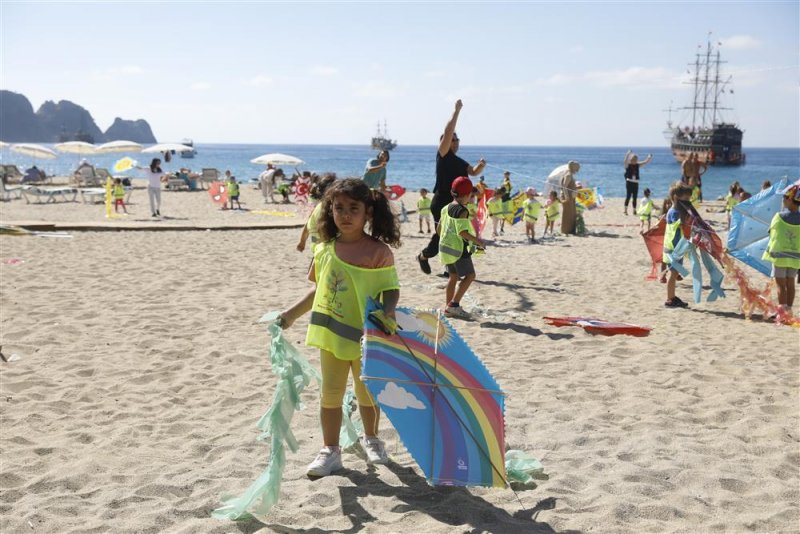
<point>34,151</point>
<point>749,232</point>
<point>119,146</point>
<point>277,159</point>
<point>76,147</point>
<point>445,405</point>
<point>553,182</point>
<point>166,147</point>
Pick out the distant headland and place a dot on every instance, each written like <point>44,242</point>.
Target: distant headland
<point>63,121</point>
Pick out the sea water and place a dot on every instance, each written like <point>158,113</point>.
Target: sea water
<point>414,166</point>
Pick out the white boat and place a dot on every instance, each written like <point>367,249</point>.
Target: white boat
<point>188,153</point>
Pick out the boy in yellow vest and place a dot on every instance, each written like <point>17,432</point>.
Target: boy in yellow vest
<point>681,195</point>
<point>233,189</point>
<point>424,209</point>
<point>455,233</point>
<point>531,209</point>
<point>783,249</point>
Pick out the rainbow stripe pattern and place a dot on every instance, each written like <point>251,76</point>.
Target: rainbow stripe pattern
<point>445,405</point>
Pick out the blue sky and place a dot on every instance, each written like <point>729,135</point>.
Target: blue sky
<point>528,73</point>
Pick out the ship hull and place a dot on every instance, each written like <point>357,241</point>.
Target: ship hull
<point>721,146</point>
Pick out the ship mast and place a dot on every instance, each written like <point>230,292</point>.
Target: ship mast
<point>705,80</point>
<point>696,82</point>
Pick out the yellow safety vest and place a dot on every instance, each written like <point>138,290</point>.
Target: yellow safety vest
<point>646,210</point>
<point>552,211</point>
<point>337,315</point>
<point>695,198</point>
<point>730,202</point>
<point>311,224</point>
<point>531,209</point>
<point>472,209</point>
<point>451,244</point>
<point>424,206</point>
<point>783,249</point>
<point>669,235</point>
<point>119,191</point>
<point>495,206</point>
<point>233,189</point>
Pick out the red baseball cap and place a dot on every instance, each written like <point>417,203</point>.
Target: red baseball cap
<point>461,186</point>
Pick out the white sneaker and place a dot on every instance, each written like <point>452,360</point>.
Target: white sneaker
<point>376,453</point>
<point>327,461</point>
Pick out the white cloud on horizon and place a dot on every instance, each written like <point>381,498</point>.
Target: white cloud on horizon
<point>741,42</point>
<point>631,78</point>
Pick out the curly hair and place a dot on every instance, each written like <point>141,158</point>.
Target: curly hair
<point>383,224</point>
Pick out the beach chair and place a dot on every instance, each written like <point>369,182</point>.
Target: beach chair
<point>87,177</point>
<point>51,194</point>
<point>93,195</point>
<point>208,176</point>
<point>103,174</point>
<point>175,183</point>
<point>9,191</point>
<point>12,174</point>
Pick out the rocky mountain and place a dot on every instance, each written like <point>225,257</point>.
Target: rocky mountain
<point>62,121</point>
<point>137,130</point>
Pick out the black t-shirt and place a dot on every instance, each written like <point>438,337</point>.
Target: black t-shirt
<point>448,168</point>
<point>457,211</point>
<point>632,172</point>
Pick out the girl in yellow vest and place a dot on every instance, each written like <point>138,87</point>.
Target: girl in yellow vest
<point>530,210</point>
<point>551,212</point>
<point>352,262</point>
<point>424,209</point>
<point>645,211</point>
<point>783,249</point>
<point>680,194</point>
<point>310,229</point>
<point>455,233</point>
<point>119,195</point>
<point>731,199</point>
<point>495,208</point>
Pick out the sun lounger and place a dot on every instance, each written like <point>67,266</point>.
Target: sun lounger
<point>174,183</point>
<point>87,177</point>
<point>95,195</point>
<point>9,191</point>
<point>11,174</point>
<point>51,194</point>
<point>208,176</point>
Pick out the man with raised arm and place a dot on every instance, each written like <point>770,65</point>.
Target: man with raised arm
<point>448,167</point>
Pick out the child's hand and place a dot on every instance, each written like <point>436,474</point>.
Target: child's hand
<point>285,321</point>
<point>301,246</point>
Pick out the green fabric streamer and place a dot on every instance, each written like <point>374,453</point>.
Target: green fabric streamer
<point>351,430</point>
<point>521,468</point>
<point>294,374</point>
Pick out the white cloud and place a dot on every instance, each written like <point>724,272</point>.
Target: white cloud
<point>324,71</point>
<point>556,79</point>
<point>260,81</point>
<point>398,397</point>
<point>200,86</point>
<point>123,72</point>
<point>741,42</point>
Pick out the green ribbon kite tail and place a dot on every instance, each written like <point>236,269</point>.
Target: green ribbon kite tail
<point>294,374</point>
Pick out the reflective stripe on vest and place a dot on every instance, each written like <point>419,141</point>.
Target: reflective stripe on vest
<point>340,329</point>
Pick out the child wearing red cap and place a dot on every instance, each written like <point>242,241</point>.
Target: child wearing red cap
<point>455,233</point>
<point>783,249</point>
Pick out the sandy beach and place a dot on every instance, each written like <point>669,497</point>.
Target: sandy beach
<point>140,375</point>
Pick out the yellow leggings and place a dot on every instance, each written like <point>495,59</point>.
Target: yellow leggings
<point>334,381</point>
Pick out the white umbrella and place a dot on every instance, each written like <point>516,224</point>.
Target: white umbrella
<point>76,147</point>
<point>34,151</point>
<point>167,147</point>
<point>119,146</point>
<point>277,159</point>
<point>553,182</point>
